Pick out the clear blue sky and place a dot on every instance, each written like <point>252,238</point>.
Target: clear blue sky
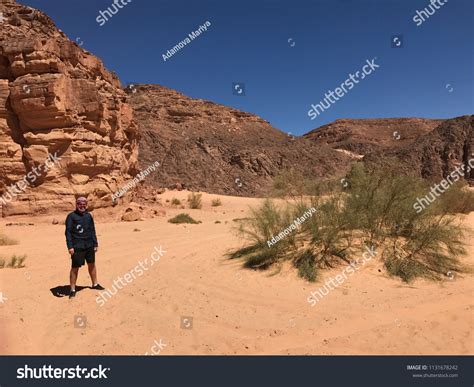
<point>248,42</point>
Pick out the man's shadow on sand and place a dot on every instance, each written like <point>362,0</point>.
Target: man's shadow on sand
<point>63,290</point>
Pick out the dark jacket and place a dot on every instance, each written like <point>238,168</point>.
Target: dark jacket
<point>80,231</point>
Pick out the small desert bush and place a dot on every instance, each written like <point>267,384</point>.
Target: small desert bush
<point>403,268</point>
<point>293,184</point>
<point>15,262</point>
<point>325,237</point>
<point>330,236</point>
<point>305,263</point>
<point>175,202</point>
<point>380,202</point>
<point>195,200</point>
<point>321,240</point>
<point>430,248</point>
<point>289,183</point>
<point>216,202</point>
<point>7,241</point>
<point>413,244</point>
<point>183,218</point>
<point>265,222</point>
<point>240,219</point>
<point>457,199</point>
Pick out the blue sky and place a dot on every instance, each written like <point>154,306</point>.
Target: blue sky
<point>430,76</point>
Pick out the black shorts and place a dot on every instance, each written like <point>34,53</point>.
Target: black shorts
<point>81,256</point>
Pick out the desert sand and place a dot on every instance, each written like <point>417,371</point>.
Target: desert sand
<point>233,310</point>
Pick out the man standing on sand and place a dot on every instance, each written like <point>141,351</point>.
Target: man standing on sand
<point>81,241</point>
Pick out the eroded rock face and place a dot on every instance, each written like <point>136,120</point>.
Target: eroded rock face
<point>205,146</point>
<point>438,153</point>
<point>364,136</point>
<point>56,98</point>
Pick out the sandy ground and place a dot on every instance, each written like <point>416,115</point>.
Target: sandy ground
<point>233,310</point>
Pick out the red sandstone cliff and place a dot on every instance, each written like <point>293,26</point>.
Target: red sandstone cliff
<point>56,97</point>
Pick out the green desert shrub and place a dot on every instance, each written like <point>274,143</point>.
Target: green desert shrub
<point>15,262</point>
<point>457,199</point>
<point>430,248</point>
<point>403,268</point>
<point>325,235</point>
<point>195,200</point>
<point>175,202</point>
<point>376,208</point>
<point>289,183</point>
<point>240,219</point>
<point>305,262</point>
<point>293,184</point>
<point>7,241</point>
<point>330,231</point>
<point>265,222</point>
<point>413,244</point>
<point>379,202</point>
<point>316,241</point>
<point>216,202</point>
<point>183,218</point>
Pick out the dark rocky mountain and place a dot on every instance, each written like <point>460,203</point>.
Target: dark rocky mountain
<point>363,136</point>
<point>436,154</point>
<point>206,146</point>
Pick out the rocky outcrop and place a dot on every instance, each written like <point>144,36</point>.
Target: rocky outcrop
<point>364,136</point>
<point>438,153</point>
<point>56,98</point>
<point>427,148</point>
<point>205,146</point>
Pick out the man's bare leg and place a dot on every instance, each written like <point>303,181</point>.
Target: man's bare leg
<point>92,273</point>
<point>73,278</point>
